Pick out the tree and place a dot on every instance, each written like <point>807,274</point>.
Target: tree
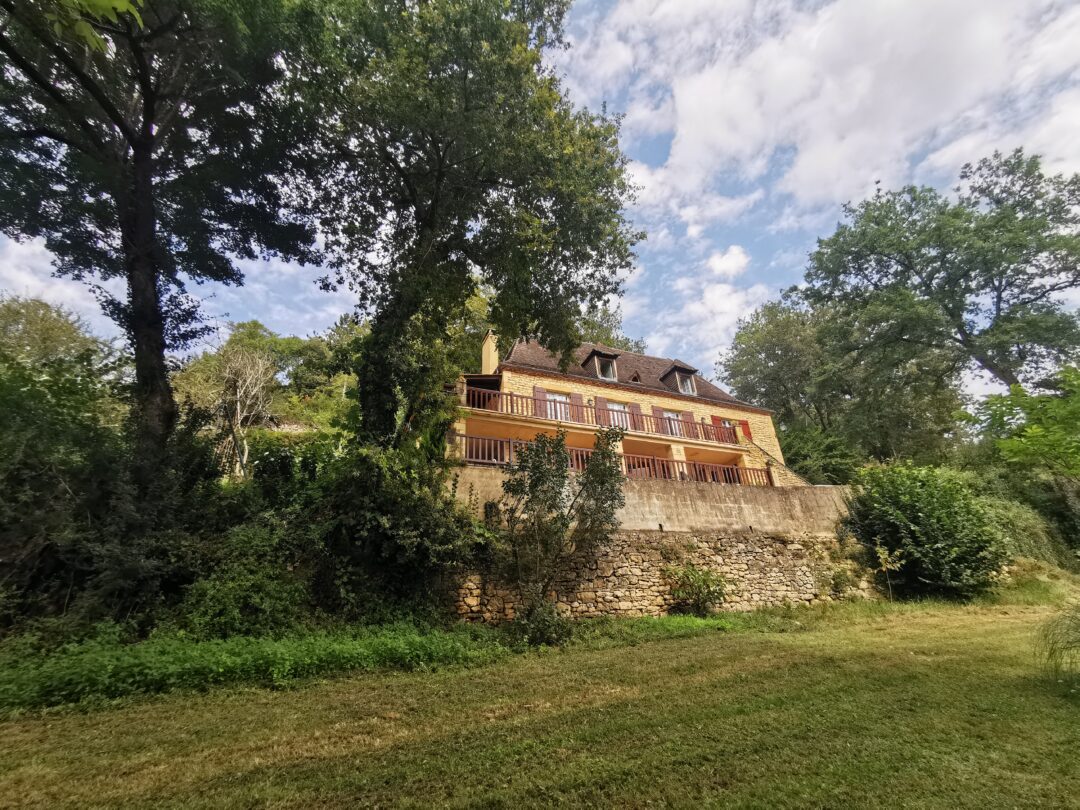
<point>977,276</point>
<point>154,153</point>
<point>550,513</point>
<point>814,368</point>
<point>1041,431</point>
<point>603,324</point>
<point>462,166</point>
<point>37,332</point>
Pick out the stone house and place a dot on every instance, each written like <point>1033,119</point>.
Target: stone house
<point>706,481</point>
<point>678,425</point>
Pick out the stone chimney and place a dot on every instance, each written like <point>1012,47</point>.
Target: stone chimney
<point>489,353</point>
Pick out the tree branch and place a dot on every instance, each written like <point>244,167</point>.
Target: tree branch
<point>81,77</point>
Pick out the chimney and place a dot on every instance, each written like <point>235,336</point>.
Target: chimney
<point>489,353</point>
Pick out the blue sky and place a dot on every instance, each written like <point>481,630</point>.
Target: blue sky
<point>748,125</point>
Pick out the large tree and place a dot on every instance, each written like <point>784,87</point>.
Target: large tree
<point>462,166</point>
<point>149,145</point>
<point>979,275</point>
<point>816,370</point>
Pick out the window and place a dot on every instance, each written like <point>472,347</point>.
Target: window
<point>619,415</point>
<point>673,423</point>
<point>605,367</point>
<point>686,384</point>
<point>558,406</point>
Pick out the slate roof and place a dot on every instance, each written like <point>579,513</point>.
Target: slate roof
<point>653,372</point>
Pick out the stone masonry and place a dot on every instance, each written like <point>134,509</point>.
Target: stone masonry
<point>626,577</point>
<point>772,545</point>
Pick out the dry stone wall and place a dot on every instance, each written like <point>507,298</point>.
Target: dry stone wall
<point>772,546</point>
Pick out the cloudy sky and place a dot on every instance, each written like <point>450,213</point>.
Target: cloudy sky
<point>748,125</point>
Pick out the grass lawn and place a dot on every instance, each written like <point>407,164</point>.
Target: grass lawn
<point>921,706</point>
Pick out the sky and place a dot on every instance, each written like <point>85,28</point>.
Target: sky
<point>748,125</point>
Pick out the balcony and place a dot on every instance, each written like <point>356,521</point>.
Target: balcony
<point>491,452</point>
<point>481,399</point>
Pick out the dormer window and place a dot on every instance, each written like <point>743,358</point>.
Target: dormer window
<point>605,368</point>
<point>686,383</point>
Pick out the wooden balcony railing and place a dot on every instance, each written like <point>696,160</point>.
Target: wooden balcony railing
<point>503,452</point>
<point>561,411</point>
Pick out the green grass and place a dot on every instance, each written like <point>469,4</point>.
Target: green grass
<point>924,705</point>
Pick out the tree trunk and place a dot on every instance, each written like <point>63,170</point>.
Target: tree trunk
<point>155,408</point>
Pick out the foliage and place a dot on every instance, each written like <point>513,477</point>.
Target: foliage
<point>929,521</point>
<point>1024,532</point>
<point>1059,643</point>
<point>251,588</point>
<point>167,150</point>
<point>696,590</point>
<point>57,447</point>
<point>551,512</point>
<point>833,394</point>
<point>539,624</point>
<point>603,324</point>
<point>819,457</point>
<point>106,669</point>
<point>386,528</point>
<point>977,277</point>
<point>81,18</point>
<point>464,167</point>
<point>1041,431</point>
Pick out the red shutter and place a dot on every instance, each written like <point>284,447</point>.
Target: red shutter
<point>540,402</point>
<point>661,423</point>
<point>746,429</point>
<point>689,428</point>
<point>601,411</point>
<point>577,408</point>
<point>636,420</point>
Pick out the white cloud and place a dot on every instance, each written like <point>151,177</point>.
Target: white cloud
<point>818,101</point>
<point>728,264</point>
<point>26,270</point>
<point>705,308</point>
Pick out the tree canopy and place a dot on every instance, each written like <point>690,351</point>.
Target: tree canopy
<point>811,367</point>
<point>461,165</point>
<point>150,145</point>
<point>978,276</point>
<point>603,324</point>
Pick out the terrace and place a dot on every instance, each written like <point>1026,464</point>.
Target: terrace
<point>573,411</point>
<point>495,452</point>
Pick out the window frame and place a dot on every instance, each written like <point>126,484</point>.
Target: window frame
<point>674,423</point>
<point>680,378</point>
<point>614,368</point>
<point>622,419</point>
<point>558,403</point>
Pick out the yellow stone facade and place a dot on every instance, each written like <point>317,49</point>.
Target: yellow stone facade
<point>762,451</point>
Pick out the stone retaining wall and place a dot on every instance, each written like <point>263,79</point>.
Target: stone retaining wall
<point>626,577</point>
<point>772,545</point>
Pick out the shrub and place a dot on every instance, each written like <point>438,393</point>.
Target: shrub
<point>1059,643</point>
<point>695,590</point>
<point>250,591</point>
<point>540,624</point>
<point>1024,532</point>
<point>930,523</point>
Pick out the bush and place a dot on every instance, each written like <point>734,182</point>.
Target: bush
<point>696,590</point>
<point>1059,643</point>
<point>1024,532</point>
<point>540,625</point>
<point>251,590</point>
<point>105,669</point>
<point>929,524</point>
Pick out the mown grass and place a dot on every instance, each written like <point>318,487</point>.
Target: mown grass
<point>97,671</point>
<point>915,705</point>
